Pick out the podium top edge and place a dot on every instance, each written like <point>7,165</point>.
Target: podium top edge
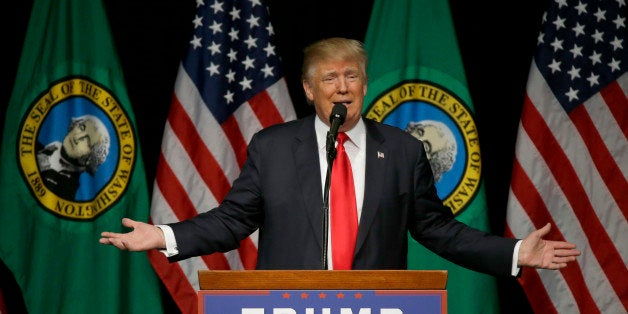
<point>323,279</point>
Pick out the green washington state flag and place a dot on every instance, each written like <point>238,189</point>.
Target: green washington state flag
<point>417,83</point>
<point>71,168</point>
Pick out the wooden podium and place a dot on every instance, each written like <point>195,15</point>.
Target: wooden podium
<point>322,291</point>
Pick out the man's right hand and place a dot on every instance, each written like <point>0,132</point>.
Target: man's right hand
<point>143,237</point>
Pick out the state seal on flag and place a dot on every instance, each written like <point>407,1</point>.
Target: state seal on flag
<point>444,123</point>
<point>76,148</point>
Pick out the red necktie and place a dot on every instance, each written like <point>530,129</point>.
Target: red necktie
<point>344,215</point>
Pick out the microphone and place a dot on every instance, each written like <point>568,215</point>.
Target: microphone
<point>336,119</point>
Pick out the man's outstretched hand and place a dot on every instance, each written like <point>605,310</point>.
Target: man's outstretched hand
<point>539,253</point>
<point>143,237</point>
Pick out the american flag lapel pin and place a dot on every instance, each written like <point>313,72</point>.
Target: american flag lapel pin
<point>380,154</point>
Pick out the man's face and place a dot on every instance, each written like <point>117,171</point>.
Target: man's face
<point>79,140</point>
<point>337,82</point>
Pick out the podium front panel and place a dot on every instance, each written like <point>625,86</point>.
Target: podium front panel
<point>322,301</point>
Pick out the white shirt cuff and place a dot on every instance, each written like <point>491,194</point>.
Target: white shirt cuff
<point>171,242</point>
<point>515,257</point>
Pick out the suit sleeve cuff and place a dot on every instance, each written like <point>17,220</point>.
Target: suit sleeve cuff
<point>515,257</point>
<point>171,242</point>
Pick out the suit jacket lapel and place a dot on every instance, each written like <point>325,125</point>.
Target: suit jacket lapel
<point>305,152</point>
<point>375,168</point>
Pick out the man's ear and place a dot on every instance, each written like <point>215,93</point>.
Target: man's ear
<point>308,90</point>
<point>364,88</point>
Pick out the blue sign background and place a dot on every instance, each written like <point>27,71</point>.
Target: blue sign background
<point>410,301</point>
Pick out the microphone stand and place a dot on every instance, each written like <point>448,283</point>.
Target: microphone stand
<point>331,155</point>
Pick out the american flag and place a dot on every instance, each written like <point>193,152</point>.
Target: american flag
<point>229,86</point>
<point>571,159</point>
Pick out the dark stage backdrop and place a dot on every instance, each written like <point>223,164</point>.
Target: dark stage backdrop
<point>496,44</point>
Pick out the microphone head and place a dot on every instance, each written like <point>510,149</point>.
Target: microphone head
<point>339,111</point>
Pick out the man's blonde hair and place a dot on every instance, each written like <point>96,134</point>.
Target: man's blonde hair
<point>334,48</point>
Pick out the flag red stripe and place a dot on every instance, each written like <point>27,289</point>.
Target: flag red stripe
<point>533,288</point>
<point>508,232</point>
<point>172,190</point>
<point>235,137</point>
<point>528,196</point>
<point>569,182</point>
<point>608,169</point>
<point>617,103</point>
<point>175,281</point>
<point>176,197</point>
<point>216,261</point>
<point>265,109</point>
<point>534,206</point>
<point>205,163</point>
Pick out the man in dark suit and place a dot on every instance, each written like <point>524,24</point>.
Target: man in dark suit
<point>280,192</point>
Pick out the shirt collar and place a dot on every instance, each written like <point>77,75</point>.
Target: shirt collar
<point>357,132</point>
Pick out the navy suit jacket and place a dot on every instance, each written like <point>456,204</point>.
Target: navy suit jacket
<point>279,191</point>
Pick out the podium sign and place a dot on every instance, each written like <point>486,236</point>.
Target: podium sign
<point>322,301</point>
<point>322,292</point>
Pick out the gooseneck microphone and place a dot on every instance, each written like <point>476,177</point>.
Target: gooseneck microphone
<point>336,119</point>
